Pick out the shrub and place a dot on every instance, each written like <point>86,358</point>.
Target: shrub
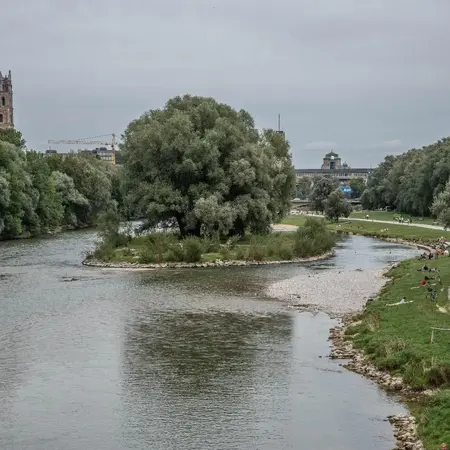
<point>104,251</point>
<point>241,254</point>
<point>313,238</point>
<point>146,256</point>
<point>286,252</point>
<point>175,252</point>
<point>211,244</point>
<point>156,244</point>
<point>256,250</point>
<point>193,249</point>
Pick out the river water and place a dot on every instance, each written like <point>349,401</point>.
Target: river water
<point>188,359</point>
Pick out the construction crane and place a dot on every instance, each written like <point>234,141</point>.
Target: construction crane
<point>90,141</point>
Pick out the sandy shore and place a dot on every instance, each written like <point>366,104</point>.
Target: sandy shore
<point>334,291</point>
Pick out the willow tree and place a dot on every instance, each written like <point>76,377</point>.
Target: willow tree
<point>205,166</point>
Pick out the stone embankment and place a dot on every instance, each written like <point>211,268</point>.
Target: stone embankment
<point>404,425</point>
<point>210,264</point>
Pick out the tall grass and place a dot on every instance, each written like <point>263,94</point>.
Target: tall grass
<point>312,239</point>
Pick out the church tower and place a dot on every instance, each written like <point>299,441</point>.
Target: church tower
<point>6,102</point>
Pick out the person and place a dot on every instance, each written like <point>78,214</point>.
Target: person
<point>401,302</point>
<point>444,446</point>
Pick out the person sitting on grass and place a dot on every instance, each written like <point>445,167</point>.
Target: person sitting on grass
<point>444,446</point>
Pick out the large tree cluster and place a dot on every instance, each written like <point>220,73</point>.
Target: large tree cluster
<point>412,182</point>
<point>40,193</point>
<point>205,167</point>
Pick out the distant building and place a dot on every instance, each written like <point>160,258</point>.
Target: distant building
<point>6,102</point>
<point>333,167</point>
<point>104,154</point>
<point>101,153</point>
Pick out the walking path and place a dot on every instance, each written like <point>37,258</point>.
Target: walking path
<point>285,227</point>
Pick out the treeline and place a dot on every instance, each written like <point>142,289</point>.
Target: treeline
<point>40,193</point>
<point>415,182</point>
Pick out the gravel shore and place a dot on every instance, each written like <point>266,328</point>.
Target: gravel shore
<point>333,291</point>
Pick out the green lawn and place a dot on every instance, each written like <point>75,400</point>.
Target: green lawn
<point>368,228</point>
<point>398,339</point>
<point>388,215</point>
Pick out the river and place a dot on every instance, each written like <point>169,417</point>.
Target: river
<point>183,359</point>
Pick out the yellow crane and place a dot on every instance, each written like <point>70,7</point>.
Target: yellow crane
<point>90,141</point>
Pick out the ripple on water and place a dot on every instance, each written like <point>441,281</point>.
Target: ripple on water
<point>173,359</point>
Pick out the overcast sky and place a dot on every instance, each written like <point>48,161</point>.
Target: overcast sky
<point>365,78</point>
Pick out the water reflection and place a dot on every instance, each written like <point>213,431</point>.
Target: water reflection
<point>192,359</point>
<point>186,351</point>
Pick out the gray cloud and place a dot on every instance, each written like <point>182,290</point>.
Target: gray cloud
<point>355,74</point>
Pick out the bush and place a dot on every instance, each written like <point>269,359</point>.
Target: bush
<point>211,244</point>
<point>257,251</point>
<point>104,251</point>
<point>313,238</point>
<point>241,254</point>
<point>175,252</point>
<point>156,244</point>
<point>193,249</point>
<point>146,256</point>
<point>286,252</point>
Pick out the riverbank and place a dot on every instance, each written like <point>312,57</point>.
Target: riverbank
<point>393,346</point>
<point>418,234</point>
<point>198,265</point>
<point>160,250</point>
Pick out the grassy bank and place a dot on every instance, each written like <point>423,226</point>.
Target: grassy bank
<point>311,239</point>
<point>382,230</point>
<point>389,216</point>
<point>398,339</point>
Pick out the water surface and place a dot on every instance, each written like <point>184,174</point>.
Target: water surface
<point>187,359</point>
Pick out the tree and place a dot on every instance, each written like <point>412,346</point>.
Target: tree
<point>205,165</point>
<point>322,188</point>
<point>13,136</point>
<point>336,205</point>
<point>18,198</point>
<point>410,182</point>
<point>358,186</point>
<point>441,206</point>
<point>304,188</point>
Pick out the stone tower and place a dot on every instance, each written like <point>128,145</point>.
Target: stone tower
<point>6,102</point>
<point>331,161</point>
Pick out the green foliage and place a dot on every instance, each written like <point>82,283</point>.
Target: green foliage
<point>336,205</point>
<point>39,194</point>
<point>410,182</point>
<point>193,249</point>
<point>441,206</point>
<point>322,188</point>
<point>13,136</point>
<point>313,238</point>
<point>398,339</point>
<point>433,420</point>
<point>205,166</point>
<point>358,186</point>
<point>374,229</point>
<point>303,188</point>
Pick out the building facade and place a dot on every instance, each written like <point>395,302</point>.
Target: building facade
<point>332,166</point>
<point>101,153</point>
<point>6,102</point>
